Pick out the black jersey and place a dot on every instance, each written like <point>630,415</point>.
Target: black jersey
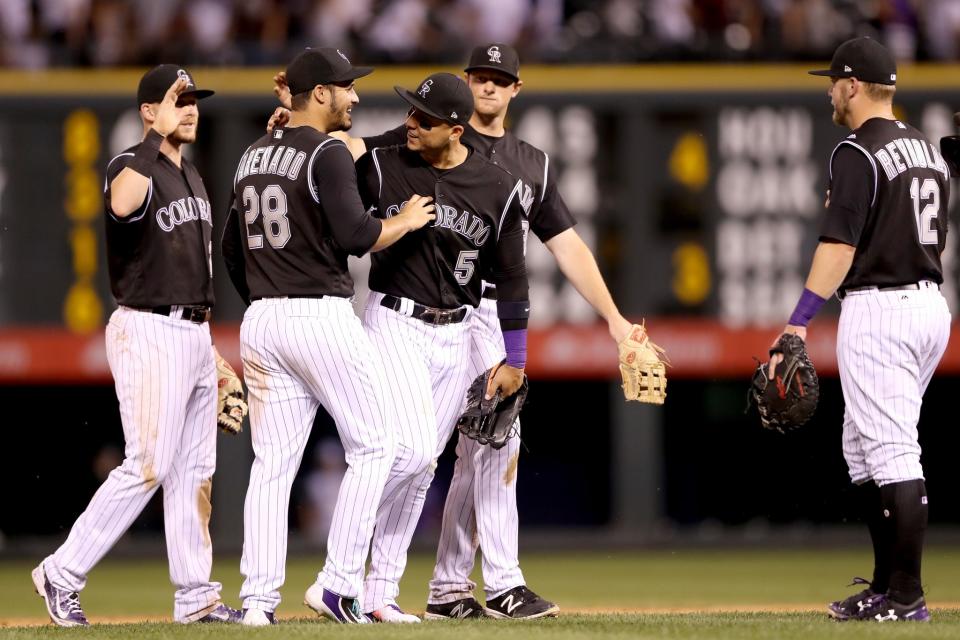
<point>296,189</point>
<point>160,254</point>
<point>548,213</point>
<point>889,189</point>
<point>480,228</point>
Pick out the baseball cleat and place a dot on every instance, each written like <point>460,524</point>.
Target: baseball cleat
<point>520,603</point>
<point>63,606</point>
<point>330,605</point>
<point>849,607</point>
<point>456,610</point>
<point>392,614</point>
<point>257,618</point>
<point>222,613</point>
<point>884,609</point>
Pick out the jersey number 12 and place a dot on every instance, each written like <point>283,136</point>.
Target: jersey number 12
<point>927,190</point>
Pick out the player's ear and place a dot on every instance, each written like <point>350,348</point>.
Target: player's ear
<point>319,93</point>
<point>456,131</point>
<point>516,87</point>
<point>148,112</point>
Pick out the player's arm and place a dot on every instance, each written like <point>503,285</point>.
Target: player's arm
<point>232,246</point>
<point>359,146</point>
<point>128,190</point>
<point>353,227</point>
<point>513,301</point>
<point>852,190</point>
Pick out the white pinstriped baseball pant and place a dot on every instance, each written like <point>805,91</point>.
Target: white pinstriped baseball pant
<point>888,345</point>
<point>166,383</point>
<point>428,371</point>
<point>299,353</point>
<point>481,505</point>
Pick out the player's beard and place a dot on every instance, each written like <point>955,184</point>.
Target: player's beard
<point>181,135</point>
<point>840,111</point>
<point>342,120</point>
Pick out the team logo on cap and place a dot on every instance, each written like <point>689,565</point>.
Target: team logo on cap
<point>847,69</point>
<point>183,75</point>
<point>340,53</point>
<point>453,116</point>
<point>494,53</point>
<point>425,88</point>
<point>893,77</point>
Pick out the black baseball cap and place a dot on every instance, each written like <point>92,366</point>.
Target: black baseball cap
<point>862,58</point>
<point>323,65</point>
<point>495,56</point>
<point>443,96</point>
<point>154,84</point>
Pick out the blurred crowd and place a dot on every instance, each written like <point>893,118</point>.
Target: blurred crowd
<point>44,33</point>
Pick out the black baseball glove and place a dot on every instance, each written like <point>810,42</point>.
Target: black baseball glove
<point>491,421</point>
<point>788,400</point>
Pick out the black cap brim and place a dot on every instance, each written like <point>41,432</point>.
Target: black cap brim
<point>199,94</point>
<point>491,67</point>
<point>354,74</point>
<point>414,101</point>
<point>830,73</point>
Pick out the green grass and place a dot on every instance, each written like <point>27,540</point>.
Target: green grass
<point>685,580</point>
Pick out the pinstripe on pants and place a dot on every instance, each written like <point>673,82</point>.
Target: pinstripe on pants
<point>888,345</point>
<point>297,354</point>
<point>166,383</point>
<point>427,367</point>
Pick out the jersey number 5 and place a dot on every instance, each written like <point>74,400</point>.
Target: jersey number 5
<point>273,204</point>
<point>927,190</point>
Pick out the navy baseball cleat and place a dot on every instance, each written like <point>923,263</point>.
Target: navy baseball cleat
<point>337,608</point>
<point>456,610</point>
<point>222,613</point>
<point>62,606</point>
<point>520,603</point>
<point>849,607</point>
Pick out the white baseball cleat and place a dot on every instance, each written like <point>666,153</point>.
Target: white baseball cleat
<point>256,618</point>
<point>393,614</point>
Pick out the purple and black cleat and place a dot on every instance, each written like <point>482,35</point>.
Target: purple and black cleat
<point>62,606</point>
<point>884,609</point>
<point>850,607</point>
<point>222,614</point>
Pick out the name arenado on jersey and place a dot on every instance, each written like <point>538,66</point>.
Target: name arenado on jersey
<point>283,161</point>
<point>183,210</point>
<point>470,226</point>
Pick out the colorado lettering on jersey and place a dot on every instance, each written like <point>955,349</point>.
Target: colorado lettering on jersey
<point>183,210</point>
<point>469,225</point>
<point>282,161</point>
<point>901,154</point>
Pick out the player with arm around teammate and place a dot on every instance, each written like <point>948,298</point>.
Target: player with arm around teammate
<point>423,291</point>
<point>158,232</point>
<point>880,245</point>
<point>301,342</point>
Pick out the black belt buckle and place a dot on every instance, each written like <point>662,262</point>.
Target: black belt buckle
<point>199,315</point>
<point>438,317</point>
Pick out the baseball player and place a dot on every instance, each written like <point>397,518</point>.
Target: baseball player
<point>158,226</point>
<point>301,342</point>
<point>880,245</point>
<point>423,291</point>
<point>480,507</point>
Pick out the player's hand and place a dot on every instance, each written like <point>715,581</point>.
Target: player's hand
<point>619,328</point>
<point>826,203</point>
<point>506,379</point>
<point>282,90</point>
<point>777,358</point>
<point>280,117</point>
<point>169,115</point>
<point>418,212</point>
<point>231,405</point>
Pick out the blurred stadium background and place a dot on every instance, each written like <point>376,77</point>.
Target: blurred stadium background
<point>690,144</point>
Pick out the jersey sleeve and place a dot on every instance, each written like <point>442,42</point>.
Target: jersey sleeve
<point>337,192</point>
<point>852,190</point>
<point>232,246</point>
<point>369,180</point>
<point>115,166</point>
<point>387,138</point>
<point>550,216</point>
<point>509,271</point>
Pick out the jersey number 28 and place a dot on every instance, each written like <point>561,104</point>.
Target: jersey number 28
<point>927,190</point>
<point>272,203</point>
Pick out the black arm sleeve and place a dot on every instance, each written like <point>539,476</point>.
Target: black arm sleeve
<point>387,138</point>
<point>336,179</point>
<point>117,165</point>
<point>510,272</point>
<point>852,187</point>
<point>368,178</point>
<point>551,216</point>
<point>232,246</point>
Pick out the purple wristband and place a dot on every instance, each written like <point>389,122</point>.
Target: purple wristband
<point>515,342</point>
<point>807,307</point>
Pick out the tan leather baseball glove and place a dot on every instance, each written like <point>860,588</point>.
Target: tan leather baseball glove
<point>643,367</point>
<point>231,406</point>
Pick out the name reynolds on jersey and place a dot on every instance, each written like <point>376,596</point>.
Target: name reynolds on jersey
<point>280,160</point>
<point>469,225</point>
<point>908,153</point>
<point>183,210</point>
